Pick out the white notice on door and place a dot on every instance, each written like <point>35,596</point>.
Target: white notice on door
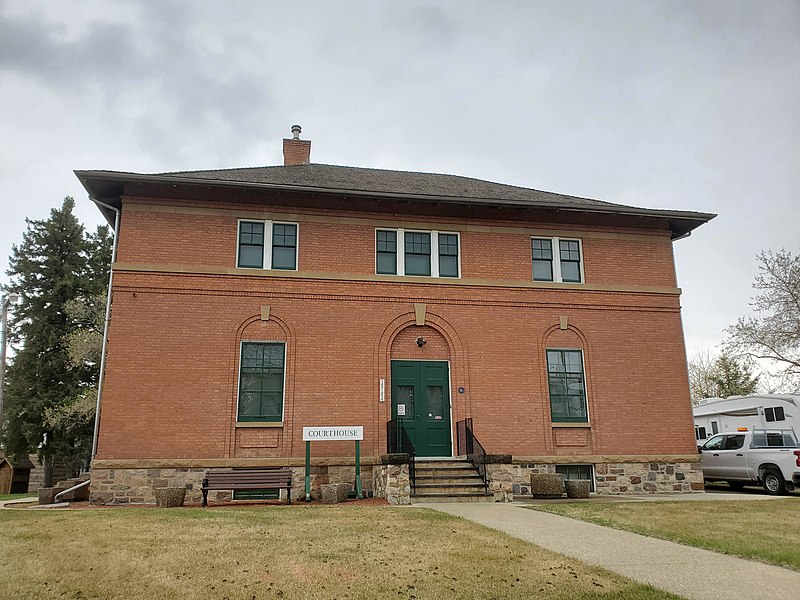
<point>401,410</point>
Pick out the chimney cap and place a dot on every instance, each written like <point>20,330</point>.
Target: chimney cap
<point>296,129</point>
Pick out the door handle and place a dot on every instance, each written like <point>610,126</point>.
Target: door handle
<point>739,454</point>
<point>716,454</point>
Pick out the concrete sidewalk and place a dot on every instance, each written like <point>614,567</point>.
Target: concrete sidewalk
<point>4,503</point>
<point>689,572</point>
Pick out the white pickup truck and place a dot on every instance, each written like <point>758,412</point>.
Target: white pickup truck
<point>769,457</point>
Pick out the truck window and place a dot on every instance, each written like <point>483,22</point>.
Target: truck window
<point>734,442</point>
<point>773,439</point>
<point>715,443</point>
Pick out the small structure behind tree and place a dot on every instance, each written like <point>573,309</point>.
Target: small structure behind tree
<point>14,477</point>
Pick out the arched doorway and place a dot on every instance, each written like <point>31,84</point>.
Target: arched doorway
<point>420,389</point>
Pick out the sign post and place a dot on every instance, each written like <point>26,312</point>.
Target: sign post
<point>331,434</point>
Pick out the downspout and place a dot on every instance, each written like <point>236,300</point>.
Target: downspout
<point>105,325</point>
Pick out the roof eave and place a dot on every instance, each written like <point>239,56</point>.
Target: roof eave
<point>681,223</point>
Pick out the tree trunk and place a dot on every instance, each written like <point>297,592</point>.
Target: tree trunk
<point>48,471</point>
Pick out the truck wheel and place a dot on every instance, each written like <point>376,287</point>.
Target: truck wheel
<point>774,484</point>
<point>736,485</point>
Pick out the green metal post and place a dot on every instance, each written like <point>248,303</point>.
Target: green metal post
<point>308,471</point>
<point>359,491</point>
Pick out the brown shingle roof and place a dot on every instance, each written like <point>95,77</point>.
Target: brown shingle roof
<point>380,182</point>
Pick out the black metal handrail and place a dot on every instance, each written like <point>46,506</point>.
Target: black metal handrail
<point>398,442</point>
<point>469,446</point>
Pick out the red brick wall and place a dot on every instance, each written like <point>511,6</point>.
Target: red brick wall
<point>172,368</point>
<point>210,240</point>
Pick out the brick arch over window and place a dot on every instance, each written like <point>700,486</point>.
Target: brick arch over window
<point>274,329</point>
<point>571,337</point>
<point>404,330</point>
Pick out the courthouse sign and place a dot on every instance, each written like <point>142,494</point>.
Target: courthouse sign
<point>321,434</point>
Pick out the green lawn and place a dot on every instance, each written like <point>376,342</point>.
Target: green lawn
<point>15,496</point>
<point>765,530</point>
<point>283,552</point>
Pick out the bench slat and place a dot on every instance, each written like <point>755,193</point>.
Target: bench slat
<point>248,479</point>
<point>261,480</point>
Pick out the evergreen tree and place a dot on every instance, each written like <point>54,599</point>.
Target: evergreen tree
<point>733,377</point>
<point>720,377</point>
<point>56,265</point>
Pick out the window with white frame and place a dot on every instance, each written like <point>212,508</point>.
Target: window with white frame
<point>417,253</point>
<point>267,245</point>
<point>557,259</point>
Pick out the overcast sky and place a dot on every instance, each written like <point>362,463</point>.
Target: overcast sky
<point>682,105</point>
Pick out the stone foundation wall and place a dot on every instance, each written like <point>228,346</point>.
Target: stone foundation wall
<point>648,478</point>
<point>508,480</point>
<point>501,481</point>
<point>392,482</point>
<point>135,486</point>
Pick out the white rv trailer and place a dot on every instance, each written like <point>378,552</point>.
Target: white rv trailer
<point>769,411</point>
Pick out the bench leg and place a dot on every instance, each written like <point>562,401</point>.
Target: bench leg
<point>289,496</point>
<point>204,484</point>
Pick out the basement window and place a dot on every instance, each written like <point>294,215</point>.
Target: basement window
<point>267,245</point>
<point>417,253</point>
<point>557,259</point>
<point>577,472</point>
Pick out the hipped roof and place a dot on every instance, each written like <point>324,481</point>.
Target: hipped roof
<point>108,186</point>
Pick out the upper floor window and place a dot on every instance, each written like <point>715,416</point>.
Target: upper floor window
<point>267,245</point>
<point>567,383</point>
<point>416,253</point>
<point>557,259</point>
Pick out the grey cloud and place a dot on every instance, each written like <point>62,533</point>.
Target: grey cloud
<point>118,61</point>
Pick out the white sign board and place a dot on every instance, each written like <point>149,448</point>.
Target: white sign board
<point>321,434</point>
<point>401,410</point>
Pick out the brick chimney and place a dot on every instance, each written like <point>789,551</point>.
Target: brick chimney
<point>295,150</point>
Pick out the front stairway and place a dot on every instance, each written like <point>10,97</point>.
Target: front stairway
<point>448,480</point>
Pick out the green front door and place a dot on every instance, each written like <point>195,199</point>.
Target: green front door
<point>421,401</point>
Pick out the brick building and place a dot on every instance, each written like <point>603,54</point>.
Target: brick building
<point>248,303</point>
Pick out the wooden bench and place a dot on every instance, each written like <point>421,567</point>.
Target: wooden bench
<point>248,479</point>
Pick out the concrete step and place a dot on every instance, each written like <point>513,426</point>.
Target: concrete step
<point>443,464</point>
<point>445,472</point>
<point>456,497</point>
<point>447,490</point>
<point>75,495</point>
<point>465,479</point>
<point>448,480</point>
